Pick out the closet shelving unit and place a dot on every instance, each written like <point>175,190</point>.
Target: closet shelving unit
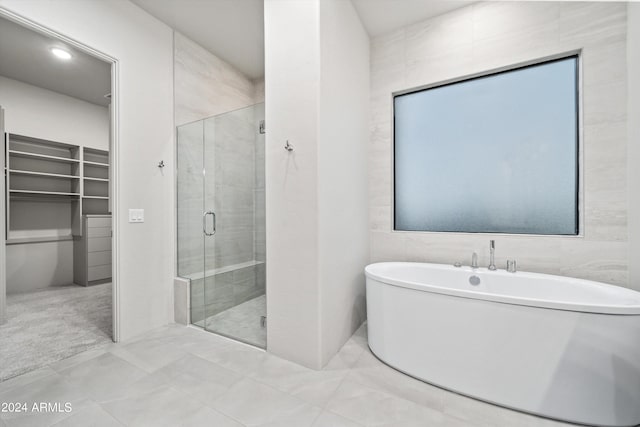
<point>92,251</point>
<point>40,175</point>
<point>95,168</point>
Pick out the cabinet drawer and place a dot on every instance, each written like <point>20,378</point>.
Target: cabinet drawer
<point>99,232</point>
<point>99,222</point>
<point>98,258</point>
<point>99,272</point>
<point>98,244</point>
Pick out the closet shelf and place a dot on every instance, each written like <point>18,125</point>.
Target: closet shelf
<point>29,155</point>
<point>101,165</point>
<point>39,239</point>
<point>42,193</point>
<point>42,174</point>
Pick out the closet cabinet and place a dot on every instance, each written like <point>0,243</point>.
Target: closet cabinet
<point>92,251</point>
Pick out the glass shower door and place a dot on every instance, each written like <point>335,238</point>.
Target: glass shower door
<point>221,222</point>
<point>233,225</point>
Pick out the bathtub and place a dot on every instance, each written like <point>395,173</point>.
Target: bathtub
<point>558,347</point>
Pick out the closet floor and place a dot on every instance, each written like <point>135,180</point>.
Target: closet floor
<point>50,325</point>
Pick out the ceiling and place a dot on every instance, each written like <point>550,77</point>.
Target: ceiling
<point>231,29</point>
<point>382,16</point>
<point>234,29</point>
<point>25,56</point>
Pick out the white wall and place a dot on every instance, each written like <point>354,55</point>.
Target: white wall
<point>342,173</point>
<point>633,150</point>
<point>143,47</point>
<point>292,70</point>
<point>39,265</point>
<point>316,90</point>
<point>41,113</point>
<point>485,36</point>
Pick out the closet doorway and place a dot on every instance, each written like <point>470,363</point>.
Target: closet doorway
<point>57,293</point>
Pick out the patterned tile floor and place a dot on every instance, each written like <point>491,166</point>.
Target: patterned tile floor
<point>183,376</point>
<point>52,324</point>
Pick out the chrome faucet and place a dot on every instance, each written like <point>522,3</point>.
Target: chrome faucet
<point>492,251</point>
<point>474,260</point>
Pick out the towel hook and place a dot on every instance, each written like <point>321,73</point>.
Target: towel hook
<point>288,146</point>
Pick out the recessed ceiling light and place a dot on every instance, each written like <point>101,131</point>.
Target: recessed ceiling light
<point>61,53</point>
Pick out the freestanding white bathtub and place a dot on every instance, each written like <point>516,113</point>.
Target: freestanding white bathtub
<point>558,347</point>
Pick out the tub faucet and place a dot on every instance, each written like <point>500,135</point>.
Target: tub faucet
<point>492,252</point>
<point>474,260</point>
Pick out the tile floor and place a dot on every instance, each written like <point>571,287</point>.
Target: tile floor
<point>183,376</point>
<point>52,324</point>
<point>242,322</point>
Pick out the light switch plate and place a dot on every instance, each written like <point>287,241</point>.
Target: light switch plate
<point>136,215</point>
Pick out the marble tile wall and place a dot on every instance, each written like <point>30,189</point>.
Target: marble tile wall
<point>204,84</point>
<point>232,186</point>
<point>225,290</point>
<point>218,134</point>
<point>485,36</point>
<point>207,87</point>
<point>229,141</point>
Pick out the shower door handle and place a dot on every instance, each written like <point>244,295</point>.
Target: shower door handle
<point>204,223</point>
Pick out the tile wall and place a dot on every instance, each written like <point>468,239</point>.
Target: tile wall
<point>233,183</point>
<point>486,36</point>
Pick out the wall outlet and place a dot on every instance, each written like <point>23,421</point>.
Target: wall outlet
<point>136,215</point>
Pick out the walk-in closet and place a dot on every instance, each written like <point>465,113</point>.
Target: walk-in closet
<point>55,108</point>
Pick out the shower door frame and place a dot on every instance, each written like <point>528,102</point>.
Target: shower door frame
<point>208,207</point>
<point>211,151</point>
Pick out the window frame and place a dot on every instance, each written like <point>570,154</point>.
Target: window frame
<point>580,223</point>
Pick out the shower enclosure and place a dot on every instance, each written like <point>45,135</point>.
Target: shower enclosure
<point>221,222</point>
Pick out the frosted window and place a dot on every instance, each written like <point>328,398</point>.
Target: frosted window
<point>493,154</point>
